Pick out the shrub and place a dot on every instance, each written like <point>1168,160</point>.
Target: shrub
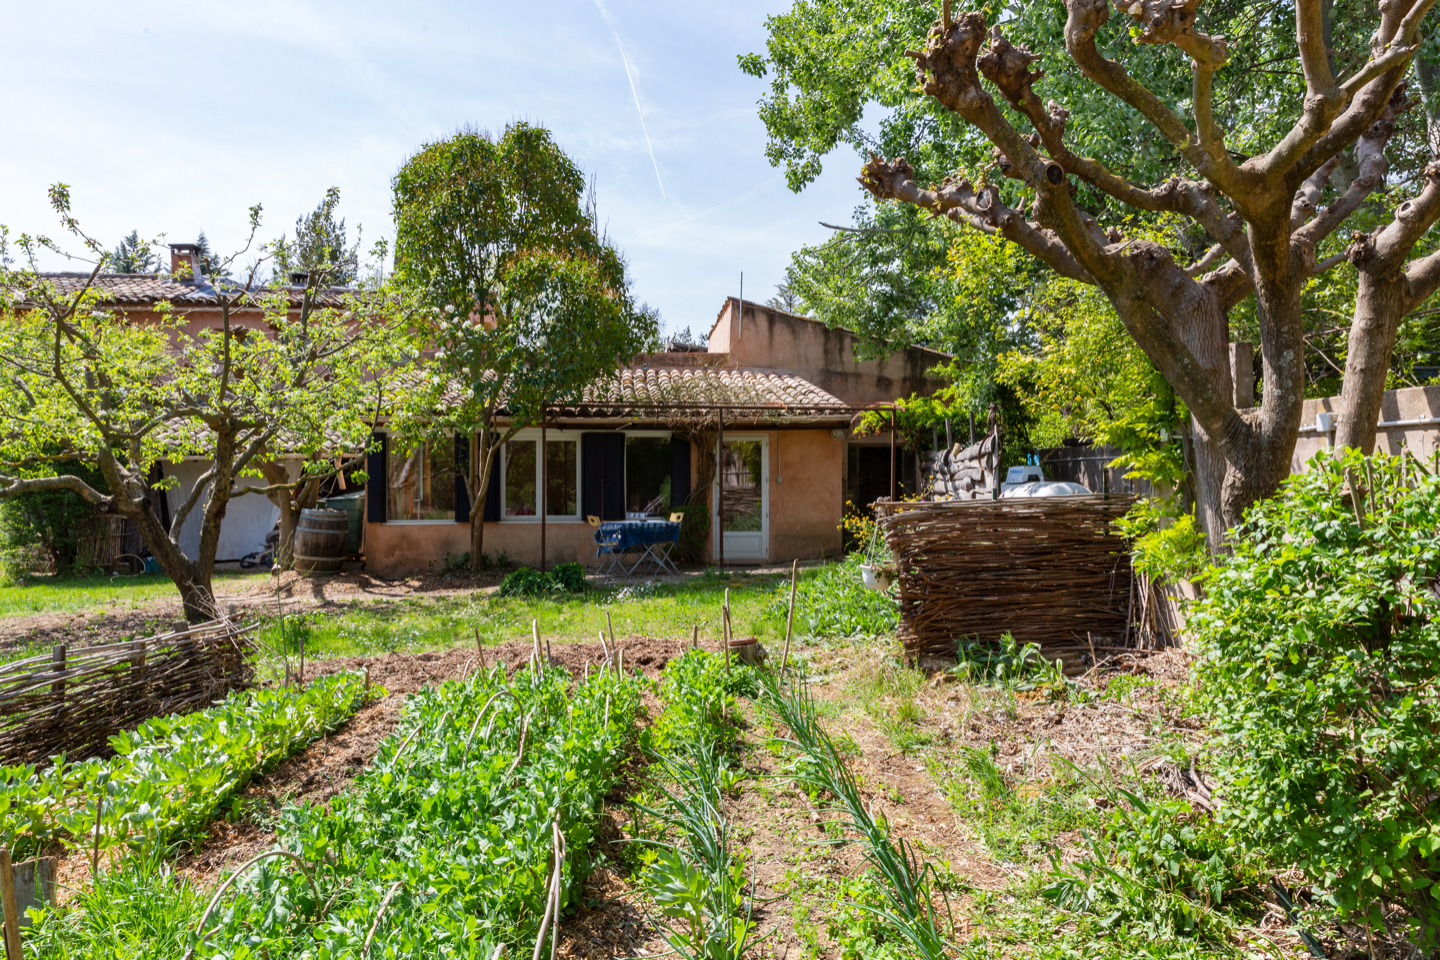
<point>1320,662</point>
<point>525,582</point>
<point>53,522</point>
<point>569,577</point>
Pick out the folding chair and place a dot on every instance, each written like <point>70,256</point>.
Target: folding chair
<point>605,547</point>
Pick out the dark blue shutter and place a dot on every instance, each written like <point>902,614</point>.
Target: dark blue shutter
<point>492,493</point>
<point>462,471</point>
<point>679,472</point>
<point>375,485</point>
<point>602,475</point>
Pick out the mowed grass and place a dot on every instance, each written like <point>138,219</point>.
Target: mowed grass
<point>86,594</point>
<point>662,610</point>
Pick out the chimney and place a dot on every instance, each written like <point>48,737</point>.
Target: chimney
<point>299,279</point>
<point>185,256</point>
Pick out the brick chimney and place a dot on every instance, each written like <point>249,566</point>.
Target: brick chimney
<point>183,254</point>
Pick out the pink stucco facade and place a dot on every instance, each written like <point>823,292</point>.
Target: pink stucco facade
<point>805,488</point>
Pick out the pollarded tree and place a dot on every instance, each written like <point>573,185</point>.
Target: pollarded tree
<point>1262,214</point>
<point>83,382</point>
<point>526,301</point>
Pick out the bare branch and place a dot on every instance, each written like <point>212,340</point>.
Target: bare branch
<point>15,486</point>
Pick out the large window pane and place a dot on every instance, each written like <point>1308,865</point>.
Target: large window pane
<point>740,492</point>
<point>421,482</point>
<point>520,478</point>
<point>647,475</point>
<point>561,488</point>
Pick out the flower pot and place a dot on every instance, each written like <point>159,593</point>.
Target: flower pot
<point>876,578</point>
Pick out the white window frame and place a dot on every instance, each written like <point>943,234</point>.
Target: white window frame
<point>533,433</point>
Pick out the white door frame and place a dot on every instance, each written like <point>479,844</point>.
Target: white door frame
<point>748,546</point>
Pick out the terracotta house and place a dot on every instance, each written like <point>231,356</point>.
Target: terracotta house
<point>783,391</point>
<point>776,394</point>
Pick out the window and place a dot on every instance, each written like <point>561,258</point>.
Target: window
<point>562,477</point>
<point>647,475</point>
<point>520,478</point>
<point>421,482</point>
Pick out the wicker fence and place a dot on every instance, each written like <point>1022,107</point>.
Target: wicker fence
<point>1045,570</point>
<point>72,701</point>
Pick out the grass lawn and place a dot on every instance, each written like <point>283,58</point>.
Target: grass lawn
<point>648,609</point>
<point>84,594</point>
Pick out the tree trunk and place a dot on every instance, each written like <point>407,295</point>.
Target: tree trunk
<point>1379,306</point>
<point>478,484</point>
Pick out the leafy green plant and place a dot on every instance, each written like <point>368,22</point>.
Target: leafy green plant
<point>527,582</point>
<point>170,774</point>
<point>1009,665</point>
<point>833,602</point>
<point>1159,868</point>
<point>1320,661</point>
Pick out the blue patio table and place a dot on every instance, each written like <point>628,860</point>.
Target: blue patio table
<point>654,538</point>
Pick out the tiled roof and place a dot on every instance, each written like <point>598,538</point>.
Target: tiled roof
<point>148,288</point>
<point>770,394</point>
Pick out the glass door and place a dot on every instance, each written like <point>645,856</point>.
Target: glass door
<point>745,498</point>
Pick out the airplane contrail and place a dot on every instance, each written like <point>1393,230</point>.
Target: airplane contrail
<point>630,75</point>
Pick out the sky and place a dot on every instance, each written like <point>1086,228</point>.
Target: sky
<point>175,118</point>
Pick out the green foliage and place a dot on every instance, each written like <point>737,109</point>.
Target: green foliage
<point>454,820</point>
<point>1320,657</point>
<point>570,577</point>
<point>525,302</point>
<point>1159,869</point>
<point>527,582</point>
<point>832,602</point>
<point>134,255</point>
<point>694,532</point>
<point>908,881</point>
<point>170,774</point>
<point>699,692</point>
<point>1008,664</point>
<point>692,873</point>
<point>56,521</point>
<point>319,248</point>
<point>1165,547</point>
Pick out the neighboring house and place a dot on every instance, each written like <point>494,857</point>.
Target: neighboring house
<point>784,389</point>
<point>248,518</point>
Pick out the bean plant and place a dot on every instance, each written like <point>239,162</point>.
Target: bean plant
<point>170,774</point>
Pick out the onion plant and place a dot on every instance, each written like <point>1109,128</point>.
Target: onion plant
<point>910,882</point>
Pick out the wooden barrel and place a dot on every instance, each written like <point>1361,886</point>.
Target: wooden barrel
<point>320,540</point>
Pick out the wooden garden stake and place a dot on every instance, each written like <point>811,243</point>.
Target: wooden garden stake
<point>790,617</point>
<point>695,637</point>
<point>611,627</point>
<point>302,661</point>
<point>367,681</point>
<point>11,910</point>
<point>535,633</point>
<point>478,648</point>
<point>95,850</point>
<point>370,937</point>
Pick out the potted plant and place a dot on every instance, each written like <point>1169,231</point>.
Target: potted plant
<point>878,570</point>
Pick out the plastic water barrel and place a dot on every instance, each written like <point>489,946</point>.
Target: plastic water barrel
<point>321,540</point>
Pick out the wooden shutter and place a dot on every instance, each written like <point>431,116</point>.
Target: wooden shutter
<point>462,470</point>
<point>602,475</point>
<point>492,493</point>
<point>679,472</point>
<point>375,469</point>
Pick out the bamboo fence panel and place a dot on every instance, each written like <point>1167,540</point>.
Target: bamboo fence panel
<point>1047,571</point>
<point>72,701</point>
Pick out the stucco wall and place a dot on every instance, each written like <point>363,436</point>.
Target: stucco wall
<point>1412,403</point>
<point>247,517</point>
<point>824,356</point>
<point>805,511</point>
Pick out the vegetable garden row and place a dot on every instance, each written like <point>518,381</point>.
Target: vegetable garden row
<point>468,836</point>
